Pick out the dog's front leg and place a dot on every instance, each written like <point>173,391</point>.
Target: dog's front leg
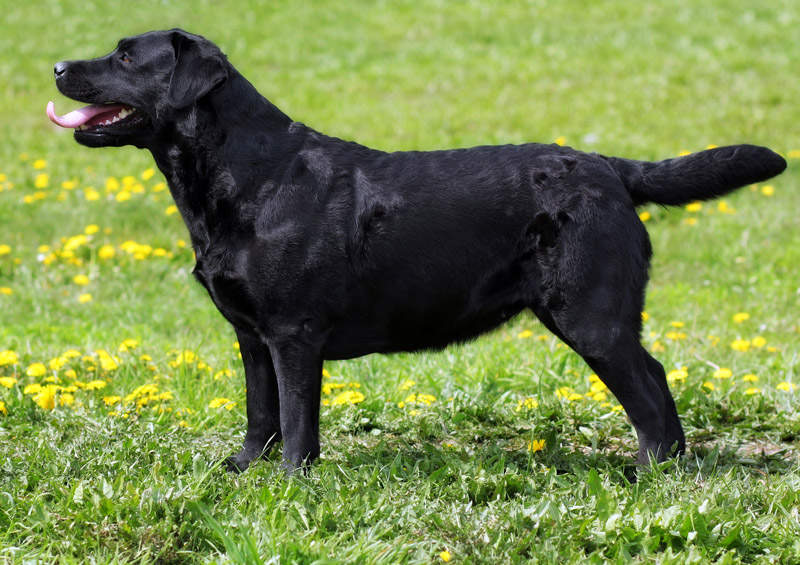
<point>298,367</point>
<point>263,412</point>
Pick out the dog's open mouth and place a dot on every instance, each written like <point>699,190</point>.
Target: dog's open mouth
<point>97,118</point>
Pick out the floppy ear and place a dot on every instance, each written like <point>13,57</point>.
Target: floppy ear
<point>198,69</point>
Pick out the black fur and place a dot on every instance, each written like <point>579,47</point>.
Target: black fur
<point>316,248</point>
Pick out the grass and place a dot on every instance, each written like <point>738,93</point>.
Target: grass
<point>400,480</point>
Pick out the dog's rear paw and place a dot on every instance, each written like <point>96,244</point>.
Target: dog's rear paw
<point>235,464</point>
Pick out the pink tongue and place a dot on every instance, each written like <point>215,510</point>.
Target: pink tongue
<point>81,116</point>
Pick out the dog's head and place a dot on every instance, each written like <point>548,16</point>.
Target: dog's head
<point>137,91</point>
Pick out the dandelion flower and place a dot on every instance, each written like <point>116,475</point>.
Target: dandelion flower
<point>90,194</point>
<point>42,180</point>
<point>80,280</point>
<point>36,370</point>
<point>740,317</point>
<point>758,342</point>
<point>560,140</point>
<point>348,397</point>
<point>645,216</point>
<point>708,385</point>
<point>750,378</point>
<point>752,390</point>
<point>3,409</point>
<point>787,387</point>
<point>147,174</point>
<point>694,207</point>
<point>407,384</point>
<point>66,399</point>
<point>95,385</point>
<point>226,403</point>
<point>84,298</point>
<point>5,249</point>
<point>172,209</point>
<point>106,252</point>
<point>740,345</point>
<point>767,190</point>
<point>6,290</point>
<point>8,382</point>
<point>528,403</point>
<point>8,358</point>
<point>46,399</point>
<point>723,373</point>
<point>536,445</point>
<point>39,164</point>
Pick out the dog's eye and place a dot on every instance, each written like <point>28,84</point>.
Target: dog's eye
<point>125,58</point>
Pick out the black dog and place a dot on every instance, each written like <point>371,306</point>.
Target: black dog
<point>316,248</point>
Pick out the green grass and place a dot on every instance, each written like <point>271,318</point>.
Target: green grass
<point>400,484</point>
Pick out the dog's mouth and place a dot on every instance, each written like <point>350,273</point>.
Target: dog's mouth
<point>98,118</point>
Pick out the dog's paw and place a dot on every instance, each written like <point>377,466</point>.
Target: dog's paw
<point>234,464</point>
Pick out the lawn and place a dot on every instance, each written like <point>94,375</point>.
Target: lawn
<point>121,387</point>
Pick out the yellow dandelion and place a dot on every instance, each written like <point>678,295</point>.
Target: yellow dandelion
<point>112,184</point>
<point>128,344</point>
<point>8,382</point>
<point>90,194</point>
<point>768,190</point>
<point>758,342</point>
<point>69,184</point>
<point>740,317</point>
<point>172,209</point>
<point>39,164</point>
<point>749,378</point>
<point>708,385</point>
<point>560,140</point>
<point>536,445</point>
<point>407,384</point>
<point>3,409</point>
<point>677,375</point>
<point>226,403</point>
<point>84,298</point>
<point>645,216</point>
<point>123,196</point>
<point>95,385</point>
<point>6,290</point>
<point>725,208</point>
<point>66,399</point>
<point>694,207</point>
<point>32,388</point>
<point>528,403</point>
<point>740,345</point>
<point>752,390</point>
<point>348,397</point>
<point>690,221</point>
<point>147,174</point>
<point>675,336</point>
<point>42,180</point>
<point>46,398</point>
<point>787,387</point>
<point>159,187</point>
<point>80,280</point>
<point>36,370</point>
<point>524,334</point>
<point>91,229</point>
<point>106,252</point>
<point>5,249</point>
<point>723,373</point>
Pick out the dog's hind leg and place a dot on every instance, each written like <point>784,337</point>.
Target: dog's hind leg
<point>590,293</point>
<point>263,409</point>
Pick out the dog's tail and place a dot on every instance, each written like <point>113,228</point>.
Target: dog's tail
<point>699,176</point>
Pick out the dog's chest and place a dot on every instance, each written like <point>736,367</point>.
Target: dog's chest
<point>223,273</point>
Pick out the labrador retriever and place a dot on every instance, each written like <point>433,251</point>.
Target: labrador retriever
<point>317,248</point>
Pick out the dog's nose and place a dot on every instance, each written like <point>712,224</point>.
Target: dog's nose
<point>60,69</point>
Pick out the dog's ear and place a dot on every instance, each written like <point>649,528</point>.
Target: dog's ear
<point>199,68</point>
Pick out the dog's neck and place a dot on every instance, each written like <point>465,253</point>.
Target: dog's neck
<point>223,124</point>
